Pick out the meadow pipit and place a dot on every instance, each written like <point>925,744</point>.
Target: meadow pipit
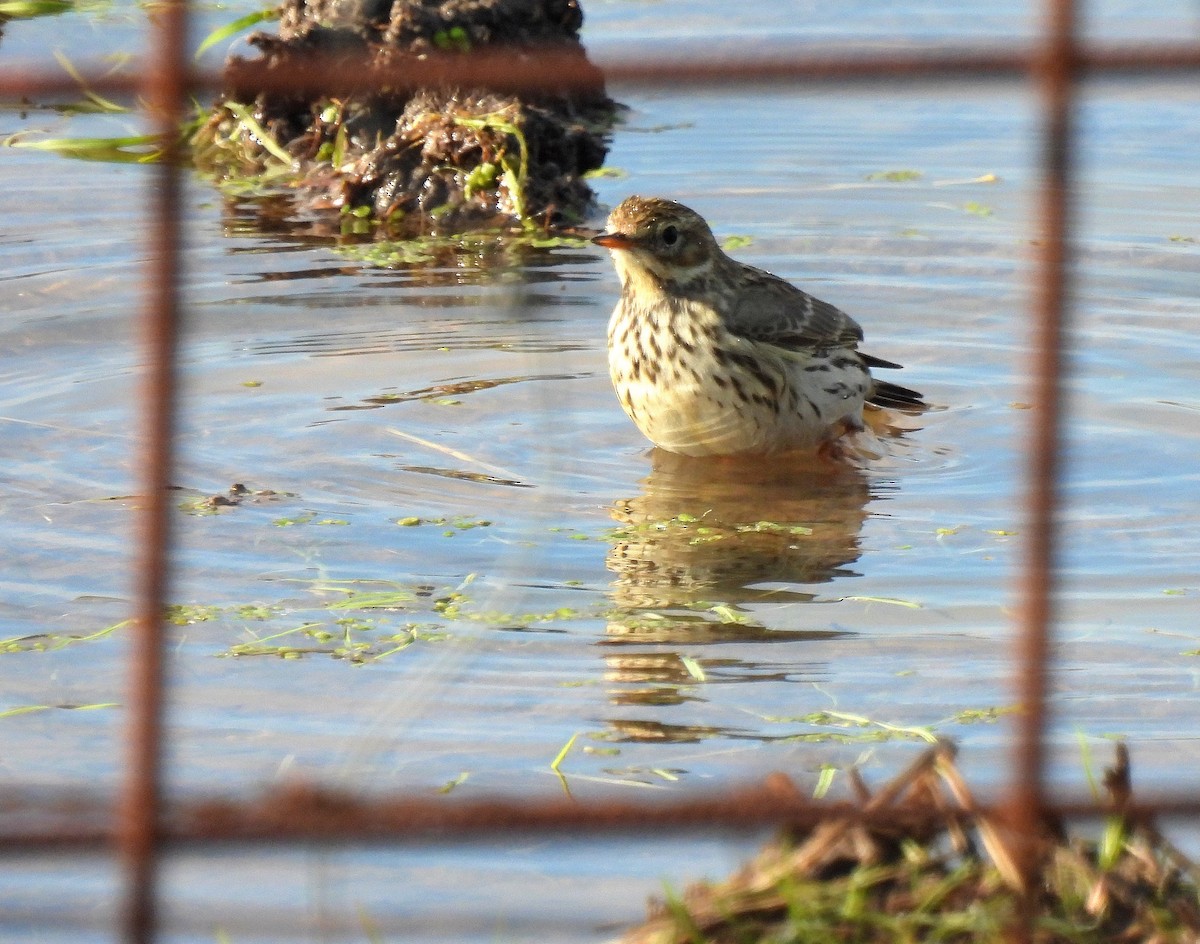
<point>710,356</point>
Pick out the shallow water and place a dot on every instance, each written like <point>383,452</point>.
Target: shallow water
<point>446,435</point>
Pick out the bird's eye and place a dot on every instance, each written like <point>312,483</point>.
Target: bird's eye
<point>670,235</point>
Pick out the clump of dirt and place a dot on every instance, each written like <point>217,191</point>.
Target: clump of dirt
<point>432,160</point>
<point>914,872</point>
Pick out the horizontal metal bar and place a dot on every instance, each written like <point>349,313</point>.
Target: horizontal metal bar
<point>683,66</point>
<point>301,815</point>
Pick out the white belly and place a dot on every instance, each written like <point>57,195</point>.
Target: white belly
<point>702,407</point>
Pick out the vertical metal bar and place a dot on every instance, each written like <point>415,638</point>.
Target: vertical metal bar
<point>1057,71</point>
<point>141,799</point>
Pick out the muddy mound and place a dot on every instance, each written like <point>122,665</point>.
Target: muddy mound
<point>433,159</point>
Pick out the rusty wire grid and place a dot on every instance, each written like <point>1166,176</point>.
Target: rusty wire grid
<point>143,827</point>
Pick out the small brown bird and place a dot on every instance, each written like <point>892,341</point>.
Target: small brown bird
<point>710,356</point>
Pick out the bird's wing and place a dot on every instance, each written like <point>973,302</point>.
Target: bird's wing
<point>776,312</point>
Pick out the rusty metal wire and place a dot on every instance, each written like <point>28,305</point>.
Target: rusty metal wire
<point>311,815</point>
<point>1057,67</point>
<point>138,816</point>
<point>684,66</point>
<point>143,827</point>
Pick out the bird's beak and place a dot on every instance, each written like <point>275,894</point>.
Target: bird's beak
<point>613,241</point>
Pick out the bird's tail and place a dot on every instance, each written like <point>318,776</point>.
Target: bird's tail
<point>895,397</point>
<point>887,394</point>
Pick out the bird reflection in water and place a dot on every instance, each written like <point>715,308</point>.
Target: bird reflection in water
<point>704,541</point>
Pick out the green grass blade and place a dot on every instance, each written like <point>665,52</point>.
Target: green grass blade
<point>562,755</point>
<point>31,8</point>
<point>101,103</point>
<point>258,132</point>
<point>222,33</point>
<point>133,149</point>
<point>824,781</point>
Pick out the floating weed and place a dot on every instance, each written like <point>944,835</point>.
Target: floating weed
<point>308,517</point>
<point>868,730</point>
<point>890,601</point>
<point>643,774</point>
<point>542,241</point>
<point>356,641</point>
<point>51,642</point>
<point>895,176</point>
<point>731,616</point>
<point>511,621</point>
<point>184,614</point>
<point>977,209</point>
<point>381,599</point>
<point>983,715</point>
<point>452,525</point>
<point>601,751</point>
<point>30,709</point>
<point>411,634</point>
<point>236,495</point>
<point>773,527</point>
<point>257,612</point>
<point>609,173</point>
<point>988,178</point>
<point>367,620</point>
<point>203,506</point>
<point>261,645</point>
<point>357,594</point>
<point>462,523</point>
<point>391,254</point>
<point>131,149</point>
<point>450,785</point>
<point>737,241</point>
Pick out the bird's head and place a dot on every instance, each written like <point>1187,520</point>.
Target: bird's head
<point>658,243</point>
